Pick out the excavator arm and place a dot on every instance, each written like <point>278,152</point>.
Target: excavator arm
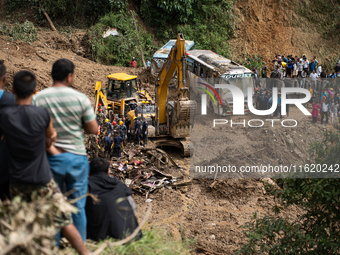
<point>183,108</point>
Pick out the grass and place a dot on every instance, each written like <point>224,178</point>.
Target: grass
<point>154,241</point>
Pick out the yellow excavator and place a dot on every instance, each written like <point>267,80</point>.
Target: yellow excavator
<point>121,89</point>
<point>173,118</point>
<point>170,120</point>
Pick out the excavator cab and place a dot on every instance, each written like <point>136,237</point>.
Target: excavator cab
<point>122,86</point>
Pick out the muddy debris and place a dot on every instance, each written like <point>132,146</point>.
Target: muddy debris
<point>146,170</point>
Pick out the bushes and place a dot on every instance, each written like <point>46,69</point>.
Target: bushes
<point>209,23</point>
<point>316,231</point>
<point>119,50</point>
<point>70,12</point>
<point>26,32</point>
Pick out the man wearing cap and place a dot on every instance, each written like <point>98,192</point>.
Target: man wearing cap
<point>109,127</point>
<point>123,130</point>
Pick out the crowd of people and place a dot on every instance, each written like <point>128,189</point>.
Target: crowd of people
<point>311,75</point>
<point>117,131</point>
<point>298,67</point>
<point>328,106</point>
<point>42,151</point>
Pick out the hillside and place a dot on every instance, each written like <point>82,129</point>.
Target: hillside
<point>269,27</point>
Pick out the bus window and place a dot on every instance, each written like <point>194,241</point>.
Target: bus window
<point>202,71</point>
<point>190,66</point>
<point>195,68</point>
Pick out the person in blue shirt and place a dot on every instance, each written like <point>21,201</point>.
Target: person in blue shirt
<point>117,144</point>
<point>148,63</point>
<point>278,109</point>
<point>145,130</point>
<point>312,66</point>
<point>108,144</point>
<point>323,93</point>
<point>137,131</point>
<point>123,130</point>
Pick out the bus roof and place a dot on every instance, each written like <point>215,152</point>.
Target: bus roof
<point>220,63</point>
<point>165,50</point>
<point>121,76</point>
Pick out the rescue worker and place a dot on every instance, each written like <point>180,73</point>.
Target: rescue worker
<point>128,124</point>
<point>137,130</point>
<point>107,148</point>
<point>117,144</point>
<point>110,114</point>
<point>145,131</point>
<point>122,130</point>
<point>101,117</point>
<point>109,127</point>
<point>93,147</point>
<point>116,127</point>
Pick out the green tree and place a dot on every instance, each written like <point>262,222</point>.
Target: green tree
<point>316,231</point>
<point>119,50</point>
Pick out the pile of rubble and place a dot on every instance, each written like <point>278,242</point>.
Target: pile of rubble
<point>144,170</point>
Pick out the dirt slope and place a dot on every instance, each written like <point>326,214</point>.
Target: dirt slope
<point>269,27</point>
<point>40,56</point>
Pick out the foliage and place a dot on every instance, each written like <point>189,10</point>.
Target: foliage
<point>119,50</point>
<point>254,61</point>
<point>316,231</point>
<point>26,32</point>
<point>29,228</point>
<point>71,12</point>
<point>209,23</point>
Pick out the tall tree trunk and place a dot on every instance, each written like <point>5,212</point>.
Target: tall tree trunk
<point>48,18</point>
<point>140,46</point>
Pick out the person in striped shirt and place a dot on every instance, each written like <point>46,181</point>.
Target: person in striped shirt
<point>71,112</point>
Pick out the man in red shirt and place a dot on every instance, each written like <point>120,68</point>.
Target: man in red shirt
<point>133,63</point>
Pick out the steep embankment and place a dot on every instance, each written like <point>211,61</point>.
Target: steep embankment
<point>39,57</point>
<point>269,27</point>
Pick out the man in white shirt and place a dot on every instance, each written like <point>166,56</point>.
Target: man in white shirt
<point>305,65</point>
<point>300,68</point>
<point>313,77</point>
<point>319,71</point>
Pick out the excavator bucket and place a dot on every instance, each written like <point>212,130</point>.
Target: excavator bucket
<point>184,112</point>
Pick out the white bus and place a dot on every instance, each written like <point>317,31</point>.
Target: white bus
<point>206,68</point>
